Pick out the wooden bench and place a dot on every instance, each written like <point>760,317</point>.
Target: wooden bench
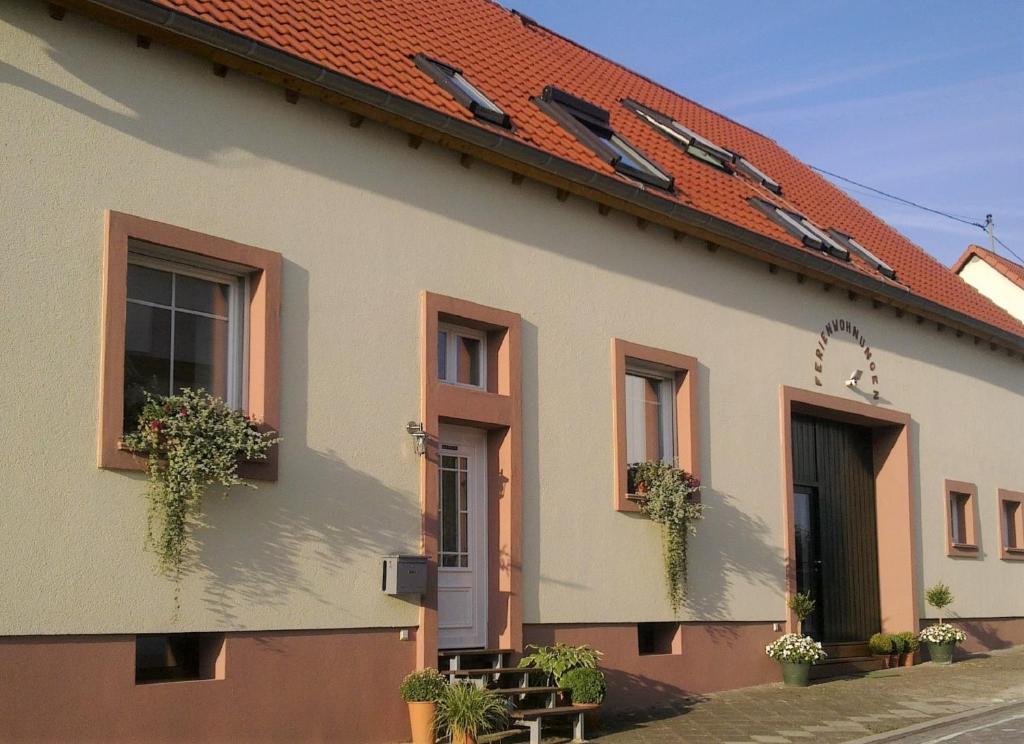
<point>533,718</point>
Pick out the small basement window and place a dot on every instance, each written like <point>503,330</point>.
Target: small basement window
<point>178,657</point>
<point>461,355</point>
<point>799,226</point>
<point>591,125</point>
<point>654,639</point>
<point>452,80</point>
<point>852,245</point>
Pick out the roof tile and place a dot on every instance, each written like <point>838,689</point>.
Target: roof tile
<point>511,61</point>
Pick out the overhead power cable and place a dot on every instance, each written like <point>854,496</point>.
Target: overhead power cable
<point>909,203</point>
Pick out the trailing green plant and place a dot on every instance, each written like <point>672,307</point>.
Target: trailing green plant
<point>910,642</point>
<point>424,686</point>
<point>881,644</point>
<point>556,660</point>
<point>192,440</point>
<point>669,498</point>
<point>939,597</point>
<point>467,709</point>
<point>802,606</point>
<point>586,686</point>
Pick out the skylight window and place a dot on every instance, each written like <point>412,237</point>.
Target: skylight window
<point>756,174</point>
<point>591,125</point>
<point>881,266</point>
<point>700,147</point>
<point>799,226</point>
<point>463,91</point>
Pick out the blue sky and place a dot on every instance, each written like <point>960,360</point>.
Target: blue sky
<point>923,99</point>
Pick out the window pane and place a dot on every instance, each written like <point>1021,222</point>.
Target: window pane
<point>652,419</point>
<point>449,561</point>
<point>200,353</point>
<point>1010,515</point>
<point>958,511</point>
<point>147,358</point>
<point>463,533</point>
<point>449,512</point>
<point>473,92</point>
<point>442,355</point>
<point>149,285</point>
<point>468,366</point>
<point>464,490</point>
<point>198,294</point>
<point>636,449</point>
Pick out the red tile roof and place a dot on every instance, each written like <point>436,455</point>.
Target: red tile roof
<point>1012,271</point>
<point>511,60</point>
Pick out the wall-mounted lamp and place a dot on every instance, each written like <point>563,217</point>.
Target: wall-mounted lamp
<point>854,378</point>
<point>418,435</point>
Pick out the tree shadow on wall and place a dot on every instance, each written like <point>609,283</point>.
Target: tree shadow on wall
<point>729,543</point>
<point>312,538</point>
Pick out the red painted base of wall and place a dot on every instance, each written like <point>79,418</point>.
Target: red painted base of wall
<point>308,686</point>
<point>714,656</point>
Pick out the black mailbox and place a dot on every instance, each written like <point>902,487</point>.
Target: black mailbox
<point>405,574</point>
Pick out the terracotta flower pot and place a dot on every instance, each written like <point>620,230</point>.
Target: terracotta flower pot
<point>907,659</point>
<point>891,660</point>
<point>421,721</point>
<point>463,737</point>
<point>795,674</point>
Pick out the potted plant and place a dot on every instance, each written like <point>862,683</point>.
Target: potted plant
<point>883,644</point>
<point>796,652</point>
<point>586,687</point>
<point>669,497</point>
<point>421,691</point>
<point>465,711</point>
<point>910,646</point>
<point>554,661</point>
<point>941,639</point>
<point>192,440</point>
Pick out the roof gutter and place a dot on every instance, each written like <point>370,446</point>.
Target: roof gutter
<point>183,25</point>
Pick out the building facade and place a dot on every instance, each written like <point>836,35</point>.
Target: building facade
<point>365,257</point>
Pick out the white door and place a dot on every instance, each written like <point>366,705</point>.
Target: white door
<point>462,543</point>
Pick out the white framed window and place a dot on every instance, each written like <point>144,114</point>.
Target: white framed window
<point>185,327</point>
<point>650,413</point>
<point>461,356</point>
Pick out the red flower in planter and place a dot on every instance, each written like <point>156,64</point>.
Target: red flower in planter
<point>156,425</point>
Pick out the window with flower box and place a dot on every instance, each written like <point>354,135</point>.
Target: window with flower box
<point>185,310</point>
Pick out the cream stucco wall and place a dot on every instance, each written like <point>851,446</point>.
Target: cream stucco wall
<point>365,224</point>
<point>984,278</point>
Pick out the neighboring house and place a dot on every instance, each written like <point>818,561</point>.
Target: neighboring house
<point>998,278</point>
<point>344,217</point>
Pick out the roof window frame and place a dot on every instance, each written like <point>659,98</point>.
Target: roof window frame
<point>591,125</point>
<point>854,247</point>
<point>688,140</point>
<point>444,75</point>
<point>799,226</point>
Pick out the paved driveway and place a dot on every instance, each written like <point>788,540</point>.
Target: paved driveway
<point>834,711</point>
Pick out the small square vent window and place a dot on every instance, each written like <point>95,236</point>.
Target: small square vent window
<point>591,125</point>
<point>452,80</point>
<point>178,657</point>
<point>653,639</point>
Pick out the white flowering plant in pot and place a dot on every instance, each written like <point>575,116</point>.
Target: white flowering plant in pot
<point>942,634</point>
<point>794,648</point>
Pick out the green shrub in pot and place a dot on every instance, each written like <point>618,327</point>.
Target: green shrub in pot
<point>586,686</point>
